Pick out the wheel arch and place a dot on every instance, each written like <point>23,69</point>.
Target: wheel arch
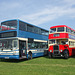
<point>65,51</point>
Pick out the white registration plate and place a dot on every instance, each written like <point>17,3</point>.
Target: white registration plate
<point>6,57</point>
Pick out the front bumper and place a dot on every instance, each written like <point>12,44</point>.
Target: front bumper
<point>9,56</point>
<point>57,55</point>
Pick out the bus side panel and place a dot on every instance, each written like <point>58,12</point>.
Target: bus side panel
<point>25,34</point>
<point>36,53</point>
<point>71,51</point>
<point>62,35</point>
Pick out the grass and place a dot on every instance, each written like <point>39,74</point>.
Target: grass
<point>38,66</point>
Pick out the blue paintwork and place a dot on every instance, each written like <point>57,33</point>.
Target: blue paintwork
<point>25,34</point>
<point>36,54</point>
<point>24,22</point>
<point>10,56</point>
<point>32,24</point>
<point>10,20</point>
<point>17,27</point>
<point>8,31</point>
<point>17,56</point>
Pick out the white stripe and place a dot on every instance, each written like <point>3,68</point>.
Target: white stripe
<point>40,40</point>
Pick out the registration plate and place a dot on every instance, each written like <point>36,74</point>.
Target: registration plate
<point>6,57</point>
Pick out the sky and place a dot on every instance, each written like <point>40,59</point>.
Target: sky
<point>42,13</point>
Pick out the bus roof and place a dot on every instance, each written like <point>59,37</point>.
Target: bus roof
<point>61,26</point>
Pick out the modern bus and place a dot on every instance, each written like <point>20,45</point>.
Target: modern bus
<point>20,40</point>
<point>61,41</point>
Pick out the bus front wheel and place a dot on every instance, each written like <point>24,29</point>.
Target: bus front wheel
<point>66,54</point>
<point>50,56</point>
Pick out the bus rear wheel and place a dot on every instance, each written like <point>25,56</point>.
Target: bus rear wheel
<point>66,54</point>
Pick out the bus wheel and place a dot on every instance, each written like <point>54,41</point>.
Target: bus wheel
<point>50,56</point>
<point>66,54</point>
<point>30,55</point>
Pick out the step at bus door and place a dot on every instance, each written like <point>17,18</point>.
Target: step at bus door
<point>22,49</point>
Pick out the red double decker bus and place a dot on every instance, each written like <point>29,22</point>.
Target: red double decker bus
<point>61,41</point>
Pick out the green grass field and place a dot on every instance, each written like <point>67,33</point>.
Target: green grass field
<point>38,66</point>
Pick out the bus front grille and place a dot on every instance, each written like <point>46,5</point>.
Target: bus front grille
<point>56,49</point>
<point>56,52</point>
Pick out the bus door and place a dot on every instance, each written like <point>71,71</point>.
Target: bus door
<point>22,49</point>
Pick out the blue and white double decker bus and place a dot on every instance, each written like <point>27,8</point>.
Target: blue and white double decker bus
<point>19,40</point>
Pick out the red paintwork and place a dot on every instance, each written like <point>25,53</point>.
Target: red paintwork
<point>60,47</point>
<point>61,35</point>
<point>61,26</point>
<point>63,47</point>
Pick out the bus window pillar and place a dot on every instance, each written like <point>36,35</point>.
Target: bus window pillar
<point>64,29</point>
<point>27,45</point>
<point>56,29</point>
<point>1,27</point>
<point>55,41</point>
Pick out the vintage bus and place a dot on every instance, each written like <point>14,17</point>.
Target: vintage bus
<point>61,41</point>
<point>20,40</point>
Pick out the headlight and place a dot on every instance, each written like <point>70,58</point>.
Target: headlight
<point>50,50</point>
<point>61,50</point>
<point>14,52</point>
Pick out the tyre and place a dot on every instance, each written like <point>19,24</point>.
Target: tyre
<point>50,56</point>
<point>66,54</point>
<point>30,55</point>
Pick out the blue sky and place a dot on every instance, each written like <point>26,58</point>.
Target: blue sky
<point>42,13</point>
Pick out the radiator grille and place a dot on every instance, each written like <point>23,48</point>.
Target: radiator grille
<point>56,49</point>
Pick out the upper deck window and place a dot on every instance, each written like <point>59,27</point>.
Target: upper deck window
<point>46,33</point>
<point>29,28</point>
<point>70,31</point>
<point>52,30</point>
<point>61,29</point>
<point>36,30</point>
<point>43,32</point>
<point>22,26</point>
<point>67,29</point>
<point>9,25</point>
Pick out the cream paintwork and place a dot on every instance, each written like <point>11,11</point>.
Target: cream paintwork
<point>39,40</point>
<point>72,40</point>
<point>56,42</point>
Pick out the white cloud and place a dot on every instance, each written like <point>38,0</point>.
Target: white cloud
<point>49,14</point>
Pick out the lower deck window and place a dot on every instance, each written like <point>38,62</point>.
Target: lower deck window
<point>71,43</point>
<point>35,45</point>
<point>8,44</point>
<point>51,41</point>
